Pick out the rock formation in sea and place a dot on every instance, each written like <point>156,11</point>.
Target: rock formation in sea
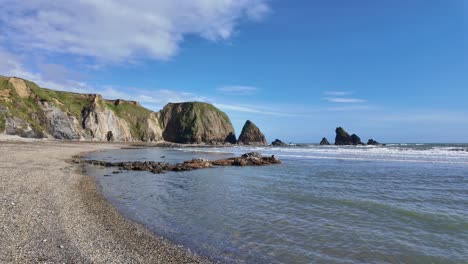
<point>372,142</point>
<point>356,140</point>
<point>278,143</point>
<point>27,110</point>
<point>248,159</point>
<point>196,122</point>
<point>324,141</point>
<point>343,138</point>
<point>251,135</point>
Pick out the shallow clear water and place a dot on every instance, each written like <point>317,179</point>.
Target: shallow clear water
<point>393,204</point>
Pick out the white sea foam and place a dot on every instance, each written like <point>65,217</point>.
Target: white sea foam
<point>454,154</point>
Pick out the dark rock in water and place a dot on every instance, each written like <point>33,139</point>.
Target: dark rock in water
<point>356,140</point>
<point>251,135</point>
<point>372,142</point>
<point>231,138</point>
<point>342,137</point>
<point>324,142</point>
<point>278,143</point>
<point>248,159</point>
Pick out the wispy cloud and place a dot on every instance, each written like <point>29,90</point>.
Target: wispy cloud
<point>344,100</point>
<point>337,93</point>
<point>252,109</point>
<point>152,29</point>
<point>238,89</point>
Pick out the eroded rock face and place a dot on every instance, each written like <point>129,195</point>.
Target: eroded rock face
<point>99,120</point>
<point>324,142</point>
<point>195,123</point>
<point>251,135</point>
<point>278,143</point>
<point>59,124</point>
<point>20,87</point>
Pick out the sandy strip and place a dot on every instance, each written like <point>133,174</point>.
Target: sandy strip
<point>50,213</point>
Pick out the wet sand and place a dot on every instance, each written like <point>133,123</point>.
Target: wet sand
<point>51,213</point>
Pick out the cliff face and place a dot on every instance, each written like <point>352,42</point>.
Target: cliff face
<point>251,135</point>
<point>30,111</point>
<point>196,122</point>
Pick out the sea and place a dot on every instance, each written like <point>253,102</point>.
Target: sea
<point>399,203</point>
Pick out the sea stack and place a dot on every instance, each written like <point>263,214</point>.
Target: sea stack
<point>251,135</point>
<point>195,123</point>
<point>342,137</point>
<point>324,142</point>
<point>356,140</point>
<point>372,142</point>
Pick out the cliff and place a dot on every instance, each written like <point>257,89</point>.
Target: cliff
<point>30,111</point>
<point>196,122</point>
<point>251,135</point>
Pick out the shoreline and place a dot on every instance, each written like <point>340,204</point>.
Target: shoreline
<point>52,212</point>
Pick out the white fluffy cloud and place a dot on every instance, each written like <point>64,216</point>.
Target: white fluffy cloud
<point>116,30</point>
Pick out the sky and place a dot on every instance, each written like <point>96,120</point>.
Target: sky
<point>395,71</point>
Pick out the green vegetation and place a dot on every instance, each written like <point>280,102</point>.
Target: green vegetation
<point>193,122</point>
<point>71,103</point>
<point>2,123</point>
<point>23,108</point>
<point>135,115</point>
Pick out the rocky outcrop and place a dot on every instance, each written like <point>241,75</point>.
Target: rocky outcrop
<point>324,142</point>
<point>356,140</point>
<point>196,122</point>
<point>103,124</point>
<point>278,143</point>
<point>372,142</point>
<point>28,110</point>
<point>248,159</point>
<point>343,138</point>
<point>59,124</point>
<point>251,135</point>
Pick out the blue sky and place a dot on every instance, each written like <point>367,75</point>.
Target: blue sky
<point>395,71</point>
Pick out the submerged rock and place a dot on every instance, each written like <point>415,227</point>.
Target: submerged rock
<point>324,142</point>
<point>248,159</point>
<point>278,143</point>
<point>251,135</point>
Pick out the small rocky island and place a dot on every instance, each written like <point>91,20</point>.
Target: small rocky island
<point>248,159</point>
<point>251,135</point>
<point>342,138</point>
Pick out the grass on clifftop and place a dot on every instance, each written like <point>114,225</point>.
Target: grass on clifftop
<point>23,108</point>
<point>136,116</point>
<point>71,103</point>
